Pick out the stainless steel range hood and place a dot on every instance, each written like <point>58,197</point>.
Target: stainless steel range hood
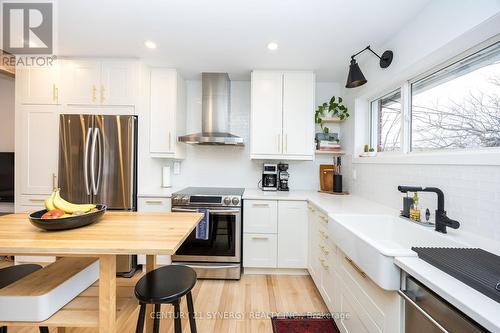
<point>216,107</point>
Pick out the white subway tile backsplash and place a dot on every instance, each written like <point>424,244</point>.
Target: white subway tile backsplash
<point>472,193</point>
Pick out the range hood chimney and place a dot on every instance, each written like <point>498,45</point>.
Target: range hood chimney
<point>216,107</point>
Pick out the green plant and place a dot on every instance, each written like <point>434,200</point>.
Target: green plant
<point>335,108</point>
<point>366,148</point>
<point>371,150</point>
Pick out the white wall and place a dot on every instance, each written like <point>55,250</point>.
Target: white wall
<point>6,114</point>
<point>231,166</point>
<point>442,30</point>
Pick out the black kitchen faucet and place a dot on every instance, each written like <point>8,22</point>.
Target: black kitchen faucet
<point>442,221</point>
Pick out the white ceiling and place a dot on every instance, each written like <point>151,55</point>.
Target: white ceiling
<point>231,35</point>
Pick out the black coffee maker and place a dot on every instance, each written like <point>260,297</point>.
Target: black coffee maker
<point>283,177</point>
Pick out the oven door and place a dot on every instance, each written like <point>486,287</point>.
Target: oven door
<point>223,243</point>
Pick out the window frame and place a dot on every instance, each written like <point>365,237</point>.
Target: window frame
<point>405,154</point>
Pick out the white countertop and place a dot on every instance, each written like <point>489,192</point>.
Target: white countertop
<point>479,307</point>
<point>473,303</point>
<point>158,192</point>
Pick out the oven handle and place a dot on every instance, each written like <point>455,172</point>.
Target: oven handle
<point>211,211</point>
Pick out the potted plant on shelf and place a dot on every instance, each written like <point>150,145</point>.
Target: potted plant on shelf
<point>334,109</point>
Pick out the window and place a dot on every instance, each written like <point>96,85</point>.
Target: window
<point>458,107</point>
<point>455,107</point>
<point>386,122</point>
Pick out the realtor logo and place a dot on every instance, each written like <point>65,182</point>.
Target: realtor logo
<point>27,28</point>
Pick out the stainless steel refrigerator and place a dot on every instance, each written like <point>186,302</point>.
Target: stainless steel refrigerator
<point>98,164</point>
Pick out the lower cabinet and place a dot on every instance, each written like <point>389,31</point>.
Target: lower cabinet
<point>275,234</point>
<point>154,205</point>
<point>359,304</point>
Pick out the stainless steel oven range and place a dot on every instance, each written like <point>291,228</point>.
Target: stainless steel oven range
<point>217,253</point>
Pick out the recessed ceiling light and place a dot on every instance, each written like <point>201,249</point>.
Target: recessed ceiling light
<point>272,46</point>
<point>150,44</point>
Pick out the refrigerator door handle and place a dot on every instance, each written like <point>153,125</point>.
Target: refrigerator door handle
<point>86,161</point>
<point>92,160</point>
<point>99,168</point>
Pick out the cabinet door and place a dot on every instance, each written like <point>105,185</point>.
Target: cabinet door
<point>292,234</point>
<point>38,85</point>
<point>259,250</point>
<point>163,108</point>
<point>266,113</point>
<point>153,205</point>
<point>38,154</point>
<point>298,113</point>
<point>118,83</point>
<point>82,81</point>
<point>260,216</point>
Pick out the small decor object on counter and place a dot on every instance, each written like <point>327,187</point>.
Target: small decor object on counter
<point>337,175</point>
<point>414,210</point>
<point>368,152</point>
<point>407,203</point>
<point>326,177</point>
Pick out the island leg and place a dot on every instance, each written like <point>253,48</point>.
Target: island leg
<point>150,265</point>
<point>107,294</point>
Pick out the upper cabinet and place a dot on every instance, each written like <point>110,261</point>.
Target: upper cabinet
<point>108,82</point>
<point>38,85</point>
<point>168,114</point>
<point>282,115</point>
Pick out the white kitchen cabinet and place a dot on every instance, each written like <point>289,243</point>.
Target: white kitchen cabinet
<point>146,204</point>
<point>38,85</point>
<point>260,216</point>
<point>167,115</point>
<point>37,143</point>
<point>95,82</point>
<point>266,116</point>
<point>260,250</point>
<point>282,115</point>
<point>275,234</point>
<point>292,234</point>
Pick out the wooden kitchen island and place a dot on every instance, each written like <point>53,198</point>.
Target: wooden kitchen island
<point>117,233</point>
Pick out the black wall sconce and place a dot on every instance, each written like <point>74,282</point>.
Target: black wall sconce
<point>356,77</point>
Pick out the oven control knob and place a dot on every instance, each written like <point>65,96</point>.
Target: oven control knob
<point>185,200</point>
<point>235,201</point>
<point>175,200</point>
<point>227,201</point>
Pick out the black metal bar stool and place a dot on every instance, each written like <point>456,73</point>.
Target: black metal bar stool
<point>166,285</point>
<point>11,274</point>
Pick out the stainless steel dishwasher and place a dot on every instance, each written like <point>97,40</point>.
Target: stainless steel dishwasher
<point>424,311</point>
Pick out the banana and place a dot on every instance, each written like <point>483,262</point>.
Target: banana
<point>69,207</point>
<point>49,202</point>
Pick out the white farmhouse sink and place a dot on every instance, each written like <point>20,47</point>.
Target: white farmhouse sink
<point>372,242</point>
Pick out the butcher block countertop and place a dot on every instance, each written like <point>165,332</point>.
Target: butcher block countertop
<point>115,233</point>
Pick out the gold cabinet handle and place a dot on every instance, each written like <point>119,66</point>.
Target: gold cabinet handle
<point>311,209</point>
<point>57,95</point>
<point>286,143</point>
<point>260,205</point>
<point>260,237</point>
<point>103,94</point>
<point>323,234</point>
<point>54,185</point>
<point>356,267</point>
<point>54,94</point>
<point>94,93</point>
<point>324,218</point>
<point>279,143</point>
<point>154,202</point>
<point>322,261</point>
<point>324,250</point>
<point>37,200</point>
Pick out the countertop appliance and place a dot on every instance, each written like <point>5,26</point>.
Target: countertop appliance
<point>425,311</point>
<point>283,177</point>
<point>218,256</point>
<point>98,164</point>
<point>7,177</point>
<point>216,110</point>
<point>269,177</point>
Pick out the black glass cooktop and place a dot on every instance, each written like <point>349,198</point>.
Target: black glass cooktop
<point>211,191</point>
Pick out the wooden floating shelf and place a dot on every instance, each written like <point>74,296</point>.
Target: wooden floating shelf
<point>333,120</point>
<point>330,152</point>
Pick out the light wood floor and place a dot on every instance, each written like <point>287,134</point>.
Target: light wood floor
<point>233,306</point>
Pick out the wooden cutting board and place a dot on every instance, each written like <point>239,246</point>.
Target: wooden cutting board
<point>326,177</point>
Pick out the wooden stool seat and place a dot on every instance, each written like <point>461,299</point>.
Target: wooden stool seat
<point>166,285</point>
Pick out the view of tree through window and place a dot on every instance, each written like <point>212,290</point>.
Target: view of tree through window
<point>458,107</point>
<point>387,114</point>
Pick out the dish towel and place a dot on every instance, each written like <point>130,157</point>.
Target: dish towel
<point>203,226</point>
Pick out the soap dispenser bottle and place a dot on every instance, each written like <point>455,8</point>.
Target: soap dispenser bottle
<point>414,210</point>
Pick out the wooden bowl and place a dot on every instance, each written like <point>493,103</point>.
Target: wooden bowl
<point>66,223</point>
